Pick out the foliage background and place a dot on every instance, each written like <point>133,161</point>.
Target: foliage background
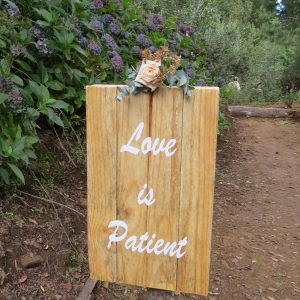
<point>49,50</point>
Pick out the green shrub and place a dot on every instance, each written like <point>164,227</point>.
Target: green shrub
<point>49,50</point>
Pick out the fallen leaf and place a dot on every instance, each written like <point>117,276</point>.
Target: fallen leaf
<point>32,243</point>
<point>46,247</point>
<point>66,286</point>
<point>23,279</point>
<point>273,290</point>
<point>33,221</point>
<point>42,289</point>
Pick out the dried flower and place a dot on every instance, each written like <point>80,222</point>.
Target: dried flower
<point>17,50</point>
<point>94,48</point>
<point>117,61</point>
<point>97,24</point>
<point>109,42</point>
<point>114,28</point>
<point>11,9</point>
<point>42,48</point>
<point>5,85</point>
<point>149,74</point>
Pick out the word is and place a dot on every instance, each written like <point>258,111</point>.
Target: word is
<point>147,146</point>
<point>143,243</point>
<point>148,199</point>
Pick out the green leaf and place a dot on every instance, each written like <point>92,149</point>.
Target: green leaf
<point>5,66</point>
<point>17,172</point>
<point>4,175</point>
<point>17,80</point>
<point>3,97</point>
<point>25,66</point>
<point>35,88</point>
<point>30,140</point>
<point>46,15</point>
<point>55,85</point>
<point>54,117</point>
<point>60,105</point>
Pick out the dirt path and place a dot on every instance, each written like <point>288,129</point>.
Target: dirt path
<point>256,231</point>
<point>256,234</point>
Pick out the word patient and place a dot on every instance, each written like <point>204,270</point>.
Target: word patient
<point>143,243</point>
<point>147,145</point>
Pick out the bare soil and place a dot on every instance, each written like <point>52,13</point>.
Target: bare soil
<point>256,230</point>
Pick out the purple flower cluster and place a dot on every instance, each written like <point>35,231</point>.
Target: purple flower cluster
<point>202,38</point>
<point>186,53</point>
<point>200,82</point>
<point>107,19</point>
<point>97,25</point>
<point>136,50</point>
<point>220,81</point>
<point>94,48</point>
<point>5,85</point>
<point>17,50</point>
<point>109,42</point>
<point>207,74</point>
<point>189,70</point>
<point>155,27</point>
<point>36,32</point>
<point>186,29</point>
<point>152,49</point>
<point>15,99</point>
<point>83,42</point>
<point>11,9</point>
<point>97,4</point>
<point>127,35</point>
<point>114,28</point>
<point>143,41</point>
<point>173,43</point>
<point>117,61</point>
<point>157,23</point>
<point>42,48</point>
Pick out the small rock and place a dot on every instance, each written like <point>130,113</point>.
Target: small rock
<point>31,260</point>
<point>83,203</point>
<point>2,276</point>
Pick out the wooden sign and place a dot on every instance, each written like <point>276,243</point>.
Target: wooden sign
<point>151,169</point>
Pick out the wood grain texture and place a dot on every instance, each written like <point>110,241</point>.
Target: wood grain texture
<point>132,171</point>
<point>197,172</point>
<point>164,178</point>
<point>183,185</point>
<point>102,166</point>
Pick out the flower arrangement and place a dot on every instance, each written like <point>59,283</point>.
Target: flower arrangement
<point>158,68</point>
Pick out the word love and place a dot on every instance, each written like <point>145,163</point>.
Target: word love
<point>147,146</point>
<point>143,243</point>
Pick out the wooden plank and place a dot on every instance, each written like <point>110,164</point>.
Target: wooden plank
<point>132,175</point>
<point>197,173</point>
<point>102,166</point>
<point>164,178</point>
